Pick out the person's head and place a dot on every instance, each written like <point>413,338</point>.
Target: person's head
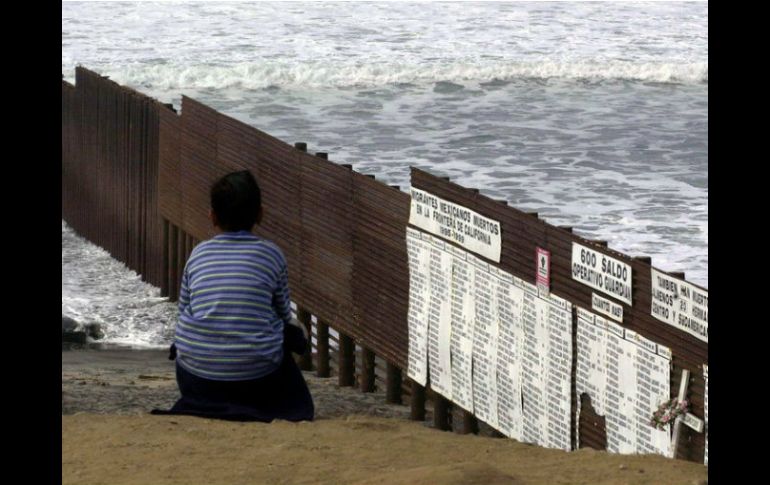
<point>236,202</point>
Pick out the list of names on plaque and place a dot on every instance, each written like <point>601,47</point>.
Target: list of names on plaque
<point>439,318</point>
<point>418,252</point>
<point>485,345</point>
<point>626,376</point>
<point>462,324</point>
<point>487,341</point>
<point>509,303</point>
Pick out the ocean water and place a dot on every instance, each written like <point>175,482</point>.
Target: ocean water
<point>594,115</point>
<point>96,288</point>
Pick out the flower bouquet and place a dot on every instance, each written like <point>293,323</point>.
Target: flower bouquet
<point>668,411</point>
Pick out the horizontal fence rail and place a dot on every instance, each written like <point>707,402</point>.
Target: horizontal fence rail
<point>135,180</point>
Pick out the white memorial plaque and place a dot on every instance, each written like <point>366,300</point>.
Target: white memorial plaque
<point>439,319</point>
<point>558,390</point>
<point>619,433</point>
<point>463,323</point>
<point>532,382</point>
<point>485,337</point>
<point>489,342</point>
<point>510,299</point>
<point>626,376</point>
<point>418,252</point>
<point>652,383</point>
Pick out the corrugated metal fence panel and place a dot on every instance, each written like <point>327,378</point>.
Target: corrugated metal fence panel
<point>327,243</point>
<point>131,187</point>
<point>153,236</point>
<point>109,167</point>
<point>198,153</point>
<point>87,159</point>
<point>169,174</point>
<point>116,197</point>
<point>522,233</point>
<point>276,167</point>
<point>101,166</point>
<point>71,181</point>
<point>380,268</point>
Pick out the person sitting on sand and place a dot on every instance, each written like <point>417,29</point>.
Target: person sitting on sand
<point>235,333</point>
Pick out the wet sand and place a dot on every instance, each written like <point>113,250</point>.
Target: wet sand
<point>116,380</point>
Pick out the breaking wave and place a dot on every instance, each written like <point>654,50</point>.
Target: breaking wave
<point>261,75</point>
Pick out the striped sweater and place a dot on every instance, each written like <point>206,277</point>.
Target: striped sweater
<point>233,304</point>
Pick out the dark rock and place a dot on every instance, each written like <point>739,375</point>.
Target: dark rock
<point>68,324</point>
<point>94,330</point>
<point>73,337</point>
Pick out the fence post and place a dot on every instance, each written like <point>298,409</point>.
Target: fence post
<point>189,246</point>
<point>322,349</point>
<point>321,327</point>
<point>417,402</point>
<point>185,248</point>
<point>367,370</point>
<point>180,258</point>
<point>306,359</point>
<point>393,384</point>
<point>347,361</point>
<point>173,283</point>
<point>164,263</point>
<point>440,412</point>
<point>470,423</point>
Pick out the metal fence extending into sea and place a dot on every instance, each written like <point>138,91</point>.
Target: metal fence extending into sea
<point>135,180</point>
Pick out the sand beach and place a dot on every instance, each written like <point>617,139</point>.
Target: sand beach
<point>109,437</point>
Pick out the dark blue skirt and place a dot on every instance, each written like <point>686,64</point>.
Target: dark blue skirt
<point>281,395</point>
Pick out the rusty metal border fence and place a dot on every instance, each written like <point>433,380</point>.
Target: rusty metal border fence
<point>109,170</point>
<point>135,180</point>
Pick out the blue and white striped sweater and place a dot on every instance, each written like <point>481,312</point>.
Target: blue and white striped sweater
<point>233,303</point>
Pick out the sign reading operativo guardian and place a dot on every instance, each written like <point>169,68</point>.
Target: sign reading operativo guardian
<point>456,223</point>
<point>601,272</point>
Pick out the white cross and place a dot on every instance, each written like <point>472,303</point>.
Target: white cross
<point>688,419</point>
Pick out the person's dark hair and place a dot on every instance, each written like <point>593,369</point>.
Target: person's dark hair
<point>236,201</point>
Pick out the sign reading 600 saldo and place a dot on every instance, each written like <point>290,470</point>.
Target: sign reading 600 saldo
<point>601,272</point>
<point>456,223</point>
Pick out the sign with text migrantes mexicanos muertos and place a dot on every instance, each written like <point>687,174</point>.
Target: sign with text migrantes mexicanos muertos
<point>680,304</point>
<point>456,223</point>
<point>601,272</point>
